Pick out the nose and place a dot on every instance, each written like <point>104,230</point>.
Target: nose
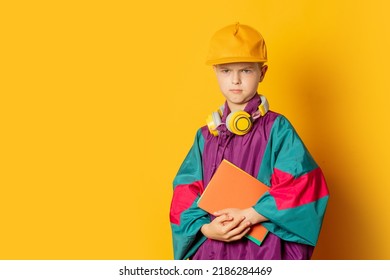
<point>236,79</point>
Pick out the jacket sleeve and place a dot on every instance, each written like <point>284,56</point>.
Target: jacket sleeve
<point>186,217</point>
<point>296,202</point>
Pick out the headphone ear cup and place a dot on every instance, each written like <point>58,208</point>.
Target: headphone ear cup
<point>239,122</point>
<point>213,121</point>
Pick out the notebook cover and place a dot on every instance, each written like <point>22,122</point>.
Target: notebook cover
<point>231,187</point>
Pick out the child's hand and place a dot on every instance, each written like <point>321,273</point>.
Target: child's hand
<point>249,213</point>
<point>226,228</point>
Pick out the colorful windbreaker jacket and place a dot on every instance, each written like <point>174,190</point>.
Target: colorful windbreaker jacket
<point>273,153</point>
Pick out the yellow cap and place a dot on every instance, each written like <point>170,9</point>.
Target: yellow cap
<point>236,43</point>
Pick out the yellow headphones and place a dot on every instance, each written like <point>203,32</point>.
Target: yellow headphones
<point>237,122</point>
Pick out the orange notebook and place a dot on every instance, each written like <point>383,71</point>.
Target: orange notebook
<point>231,187</point>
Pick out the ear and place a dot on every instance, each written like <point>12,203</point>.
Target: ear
<point>263,70</point>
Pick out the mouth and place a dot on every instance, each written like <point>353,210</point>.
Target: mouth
<point>235,90</point>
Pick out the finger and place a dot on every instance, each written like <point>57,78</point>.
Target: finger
<point>222,211</point>
<point>218,213</point>
<point>237,236</point>
<point>237,223</point>
<point>243,226</point>
<point>244,232</point>
<point>223,218</point>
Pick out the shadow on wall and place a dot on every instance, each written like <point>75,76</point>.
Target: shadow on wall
<point>320,84</point>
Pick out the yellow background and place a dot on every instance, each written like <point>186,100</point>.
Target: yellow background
<point>100,101</point>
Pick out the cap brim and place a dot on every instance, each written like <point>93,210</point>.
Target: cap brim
<point>233,60</point>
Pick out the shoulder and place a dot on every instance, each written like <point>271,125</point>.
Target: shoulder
<point>282,129</point>
<point>273,121</point>
<point>271,116</point>
<point>200,137</point>
<point>280,122</point>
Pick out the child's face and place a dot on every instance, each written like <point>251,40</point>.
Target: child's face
<point>239,81</point>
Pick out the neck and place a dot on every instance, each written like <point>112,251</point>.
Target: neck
<point>235,107</point>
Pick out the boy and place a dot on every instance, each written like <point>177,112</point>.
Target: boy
<point>262,143</point>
